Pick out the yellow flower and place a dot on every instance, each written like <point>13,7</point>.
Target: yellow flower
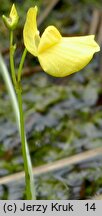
<point>59,56</point>
<point>12,20</point>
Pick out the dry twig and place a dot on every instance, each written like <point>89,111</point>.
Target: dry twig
<point>51,167</point>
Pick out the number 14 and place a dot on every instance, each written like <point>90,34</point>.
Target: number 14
<point>90,207</point>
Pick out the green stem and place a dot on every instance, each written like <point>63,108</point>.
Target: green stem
<point>30,192</point>
<point>21,64</point>
<point>12,60</point>
<point>28,170</point>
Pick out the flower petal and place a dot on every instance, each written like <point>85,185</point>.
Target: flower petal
<point>30,32</point>
<point>49,38</point>
<point>61,56</point>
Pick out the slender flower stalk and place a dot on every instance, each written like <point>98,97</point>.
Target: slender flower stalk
<point>12,49</point>
<point>21,65</point>
<point>30,191</point>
